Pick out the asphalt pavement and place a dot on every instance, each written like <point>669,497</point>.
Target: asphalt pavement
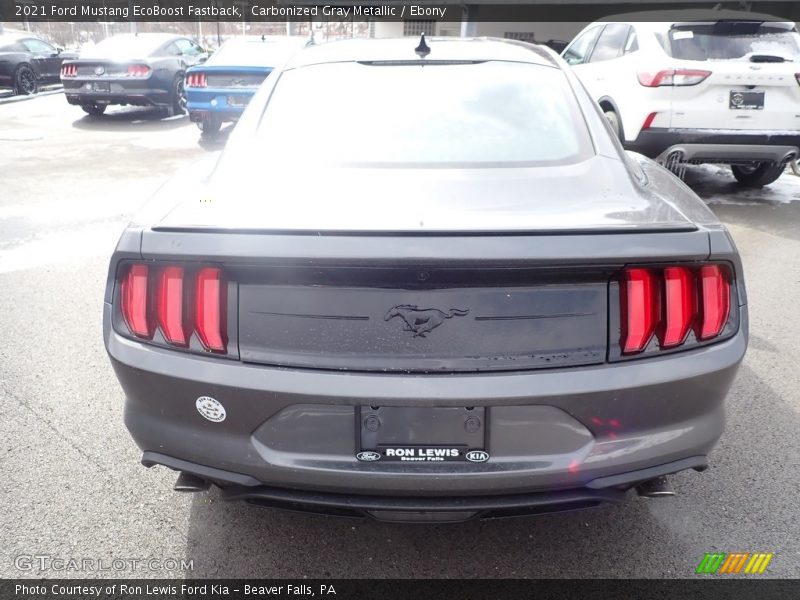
<point>72,486</point>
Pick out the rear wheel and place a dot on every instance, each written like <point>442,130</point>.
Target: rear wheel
<point>757,175</point>
<point>178,101</point>
<point>25,82</point>
<point>210,126</point>
<point>94,109</point>
<point>613,119</point>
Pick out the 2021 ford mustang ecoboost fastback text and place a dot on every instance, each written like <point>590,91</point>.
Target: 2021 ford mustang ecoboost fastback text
<point>446,292</point>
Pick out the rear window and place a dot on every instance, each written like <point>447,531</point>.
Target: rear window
<point>254,54</point>
<point>486,114</point>
<point>124,46</point>
<point>731,40</point>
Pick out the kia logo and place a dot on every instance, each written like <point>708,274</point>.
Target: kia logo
<point>477,456</point>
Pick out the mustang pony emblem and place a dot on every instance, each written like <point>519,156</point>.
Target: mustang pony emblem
<point>422,320</point>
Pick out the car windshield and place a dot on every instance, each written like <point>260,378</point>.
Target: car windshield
<point>730,40</point>
<point>124,46</point>
<point>487,114</point>
<point>254,54</point>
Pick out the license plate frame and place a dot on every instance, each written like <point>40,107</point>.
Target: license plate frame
<point>101,86</point>
<point>746,99</point>
<point>238,101</point>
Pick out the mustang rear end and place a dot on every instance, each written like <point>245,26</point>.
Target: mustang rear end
<point>466,311</point>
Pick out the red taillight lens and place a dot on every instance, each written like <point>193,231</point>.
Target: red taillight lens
<point>196,80</point>
<point>716,299</point>
<point>209,308</point>
<point>169,308</point>
<point>639,309</point>
<point>679,77</point>
<point>69,70</point>
<point>679,305</point>
<point>134,301</point>
<point>671,302</point>
<point>138,71</point>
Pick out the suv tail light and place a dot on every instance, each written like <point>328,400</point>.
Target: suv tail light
<point>196,80</point>
<point>177,302</point>
<point>69,70</point>
<point>668,303</point>
<point>673,77</point>
<point>138,71</point>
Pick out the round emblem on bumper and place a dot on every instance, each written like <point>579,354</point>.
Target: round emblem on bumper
<point>368,456</point>
<point>211,409</point>
<point>99,70</point>
<point>477,456</point>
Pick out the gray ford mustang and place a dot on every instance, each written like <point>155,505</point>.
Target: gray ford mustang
<point>423,282</point>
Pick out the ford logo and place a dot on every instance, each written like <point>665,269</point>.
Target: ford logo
<point>368,456</point>
<point>477,456</point>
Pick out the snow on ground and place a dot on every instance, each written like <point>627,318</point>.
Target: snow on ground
<point>716,185</point>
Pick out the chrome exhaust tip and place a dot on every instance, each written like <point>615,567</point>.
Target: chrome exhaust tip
<point>655,488</point>
<point>187,482</point>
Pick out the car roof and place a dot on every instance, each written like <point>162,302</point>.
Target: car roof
<point>442,49</point>
<point>165,37</point>
<point>664,19</point>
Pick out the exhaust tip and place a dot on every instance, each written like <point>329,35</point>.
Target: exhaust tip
<point>187,482</point>
<point>655,488</point>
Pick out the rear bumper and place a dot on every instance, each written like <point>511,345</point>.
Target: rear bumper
<point>714,145</point>
<point>121,92</point>
<point>549,430</point>
<point>215,104</point>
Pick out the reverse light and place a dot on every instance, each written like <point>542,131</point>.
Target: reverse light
<point>135,302</point>
<point>667,303</point>
<point>169,306</point>
<point>69,70</point>
<point>138,71</point>
<point>196,80</point>
<point>672,77</point>
<point>209,309</point>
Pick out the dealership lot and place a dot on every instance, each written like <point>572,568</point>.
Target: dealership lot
<point>73,485</point>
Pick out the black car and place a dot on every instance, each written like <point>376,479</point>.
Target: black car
<point>26,62</point>
<point>142,70</point>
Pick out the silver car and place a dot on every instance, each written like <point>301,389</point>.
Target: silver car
<point>424,282</point>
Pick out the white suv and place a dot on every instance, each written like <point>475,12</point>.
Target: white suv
<point>723,87</point>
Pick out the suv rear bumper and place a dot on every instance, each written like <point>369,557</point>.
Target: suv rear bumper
<point>714,145</point>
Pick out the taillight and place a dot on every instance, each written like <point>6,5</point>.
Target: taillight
<point>157,299</point>
<point>209,308</point>
<point>649,121</point>
<point>138,71</point>
<point>640,309</point>
<point>672,77</point>
<point>679,305</point>
<point>169,307</point>
<point>716,297</point>
<point>69,70</point>
<point>670,302</point>
<point>135,301</point>
<point>797,76</point>
<point>196,80</point>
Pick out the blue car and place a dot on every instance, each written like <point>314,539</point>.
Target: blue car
<point>219,90</point>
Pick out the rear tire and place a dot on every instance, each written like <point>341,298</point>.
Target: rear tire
<point>613,119</point>
<point>25,83</point>
<point>759,175</point>
<point>94,109</point>
<point>210,127</point>
<point>178,100</point>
